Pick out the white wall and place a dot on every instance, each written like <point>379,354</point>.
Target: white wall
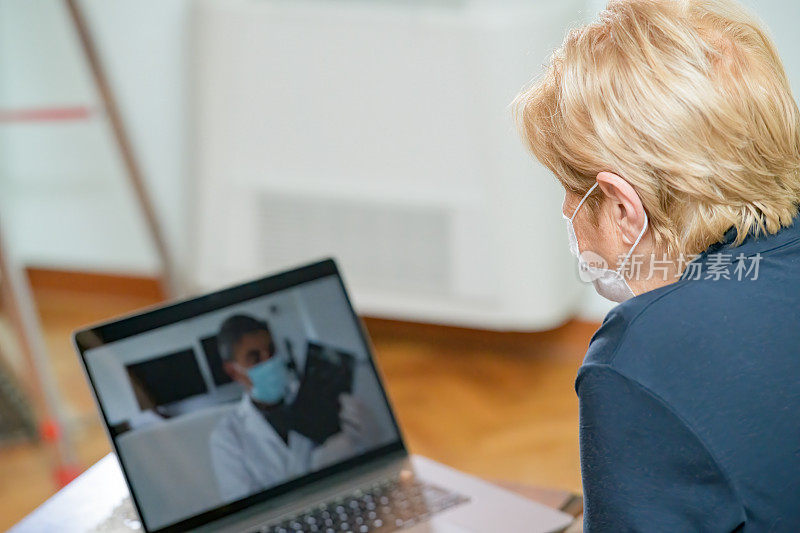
<point>61,188</point>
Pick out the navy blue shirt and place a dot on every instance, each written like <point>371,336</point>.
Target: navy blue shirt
<point>690,398</point>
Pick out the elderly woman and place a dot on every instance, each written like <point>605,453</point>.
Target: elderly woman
<point>672,127</point>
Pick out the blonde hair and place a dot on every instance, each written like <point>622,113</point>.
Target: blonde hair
<point>688,101</point>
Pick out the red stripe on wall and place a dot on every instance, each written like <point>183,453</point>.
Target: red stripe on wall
<point>52,114</point>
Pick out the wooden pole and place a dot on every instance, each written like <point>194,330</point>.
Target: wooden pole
<point>18,301</point>
<point>133,171</point>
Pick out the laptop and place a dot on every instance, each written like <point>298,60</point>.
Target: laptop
<point>259,408</point>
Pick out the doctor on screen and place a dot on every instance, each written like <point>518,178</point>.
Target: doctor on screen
<point>254,446</point>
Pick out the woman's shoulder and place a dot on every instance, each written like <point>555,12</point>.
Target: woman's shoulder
<point>650,314</point>
<point>697,339</point>
<point>679,332</point>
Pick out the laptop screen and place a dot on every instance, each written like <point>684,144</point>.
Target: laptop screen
<point>223,401</point>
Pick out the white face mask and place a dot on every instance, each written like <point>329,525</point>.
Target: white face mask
<point>608,283</point>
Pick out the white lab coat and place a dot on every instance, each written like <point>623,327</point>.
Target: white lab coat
<point>249,456</point>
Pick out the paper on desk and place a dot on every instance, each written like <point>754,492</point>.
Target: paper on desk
<point>83,504</point>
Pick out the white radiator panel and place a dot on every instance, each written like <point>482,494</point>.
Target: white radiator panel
<point>390,248</point>
<point>380,133</point>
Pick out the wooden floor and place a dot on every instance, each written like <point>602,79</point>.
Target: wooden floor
<point>499,405</point>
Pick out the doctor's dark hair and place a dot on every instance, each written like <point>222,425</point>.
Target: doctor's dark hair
<point>233,329</point>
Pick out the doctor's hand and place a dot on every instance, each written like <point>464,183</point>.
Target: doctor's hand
<point>358,421</point>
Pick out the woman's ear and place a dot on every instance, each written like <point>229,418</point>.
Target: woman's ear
<point>627,211</point>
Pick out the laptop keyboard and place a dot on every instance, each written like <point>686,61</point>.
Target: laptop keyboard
<point>386,506</point>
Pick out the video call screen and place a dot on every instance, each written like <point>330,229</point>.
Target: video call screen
<point>233,402</point>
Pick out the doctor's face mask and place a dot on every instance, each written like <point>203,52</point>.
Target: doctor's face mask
<point>609,284</point>
<point>270,379</point>
<point>255,355</point>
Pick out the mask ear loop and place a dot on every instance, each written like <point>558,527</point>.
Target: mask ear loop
<point>585,196</point>
<point>639,238</point>
<point>571,228</point>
